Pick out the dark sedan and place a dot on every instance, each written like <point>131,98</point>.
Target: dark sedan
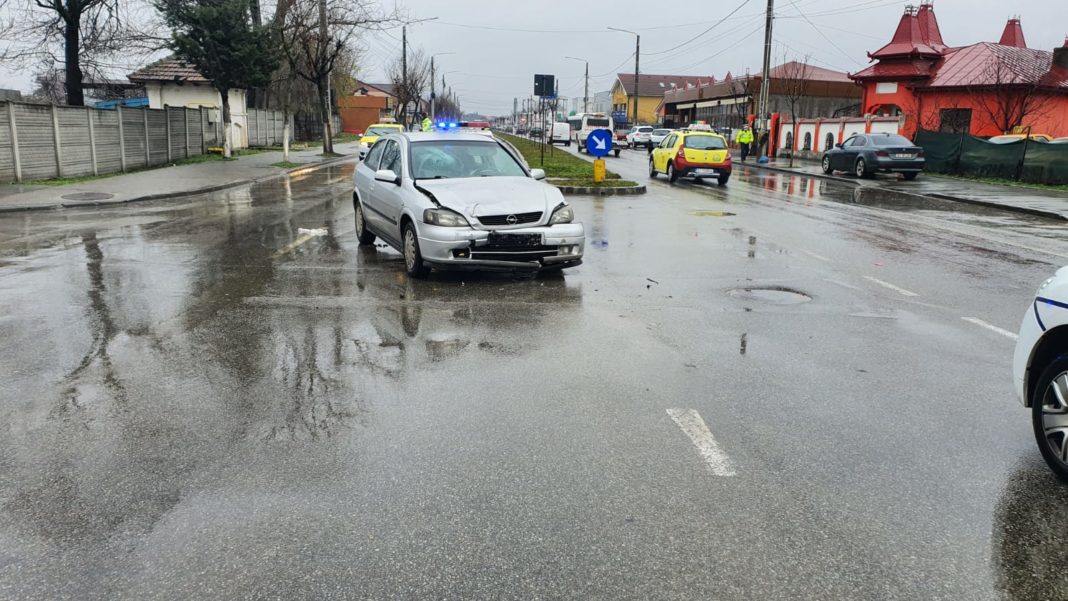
<point>865,154</point>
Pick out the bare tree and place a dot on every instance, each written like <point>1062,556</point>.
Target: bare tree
<point>88,37</point>
<point>49,87</point>
<point>1009,90</point>
<point>314,56</point>
<point>795,79</point>
<point>410,86</point>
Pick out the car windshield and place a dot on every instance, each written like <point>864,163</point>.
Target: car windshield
<point>892,140</point>
<point>381,131</point>
<point>446,159</point>
<point>645,130</point>
<point>705,143</point>
<point>661,132</point>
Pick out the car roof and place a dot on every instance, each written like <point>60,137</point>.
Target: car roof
<point>419,136</point>
<point>700,133</point>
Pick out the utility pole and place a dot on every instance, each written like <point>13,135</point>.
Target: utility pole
<point>586,94</point>
<point>324,36</point>
<point>432,113</point>
<point>637,56</point>
<point>404,76</point>
<point>762,105</point>
<point>515,113</point>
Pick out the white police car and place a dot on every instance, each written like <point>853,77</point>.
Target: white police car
<point>1040,369</point>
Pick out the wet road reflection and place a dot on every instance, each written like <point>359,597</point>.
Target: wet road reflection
<point>1030,527</point>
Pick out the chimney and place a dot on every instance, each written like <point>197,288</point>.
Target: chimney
<point>1060,56</point>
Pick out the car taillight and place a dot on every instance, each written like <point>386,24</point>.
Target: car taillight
<point>621,136</point>
<point>882,153</point>
<point>680,157</point>
<point>920,153</point>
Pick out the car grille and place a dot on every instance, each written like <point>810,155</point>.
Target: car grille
<point>521,218</point>
<point>518,253</point>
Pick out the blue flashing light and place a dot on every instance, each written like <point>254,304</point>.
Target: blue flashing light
<point>441,125</point>
<point>454,124</point>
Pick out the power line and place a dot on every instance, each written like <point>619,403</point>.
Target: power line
<point>823,35</point>
<point>714,25</point>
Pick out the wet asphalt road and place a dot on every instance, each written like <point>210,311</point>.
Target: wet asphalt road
<point>202,402</point>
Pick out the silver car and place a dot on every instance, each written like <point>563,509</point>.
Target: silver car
<point>462,201</point>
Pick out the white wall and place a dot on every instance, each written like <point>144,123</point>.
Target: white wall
<point>889,127</point>
<point>200,95</point>
<point>853,128</point>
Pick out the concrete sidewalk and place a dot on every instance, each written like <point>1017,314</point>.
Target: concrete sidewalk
<point>1010,198</point>
<point>165,182</point>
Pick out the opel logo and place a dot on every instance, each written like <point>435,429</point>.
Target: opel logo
<point>512,220</point>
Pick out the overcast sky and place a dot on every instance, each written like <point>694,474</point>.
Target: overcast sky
<point>494,66</point>
<point>500,44</point>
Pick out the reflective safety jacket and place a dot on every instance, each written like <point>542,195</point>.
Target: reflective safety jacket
<point>745,136</point>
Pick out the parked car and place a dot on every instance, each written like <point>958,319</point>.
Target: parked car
<point>691,154</point>
<point>374,132</point>
<point>657,137</point>
<point>561,134</point>
<point>640,135</point>
<point>620,141</point>
<point>462,201</point>
<point>1010,138</point>
<point>865,154</point>
<point>1040,369</point>
<point>535,133</point>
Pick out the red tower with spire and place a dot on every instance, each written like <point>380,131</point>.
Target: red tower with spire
<point>1013,34</point>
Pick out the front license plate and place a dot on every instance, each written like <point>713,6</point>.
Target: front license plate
<point>514,240</point>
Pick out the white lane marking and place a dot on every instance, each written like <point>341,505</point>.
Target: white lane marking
<point>689,420</point>
<point>991,327</point>
<point>301,239</point>
<point>896,289</point>
<point>815,256</point>
<point>318,231</point>
<point>842,284</point>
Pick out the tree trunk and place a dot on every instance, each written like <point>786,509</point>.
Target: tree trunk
<point>324,112</point>
<point>227,144</point>
<point>73,69</point>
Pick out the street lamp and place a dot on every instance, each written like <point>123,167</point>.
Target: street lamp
<point>637,53</point>
<point>586,95</point>
<point>433,114</point>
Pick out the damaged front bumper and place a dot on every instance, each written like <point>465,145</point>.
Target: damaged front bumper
<point>521,249</point>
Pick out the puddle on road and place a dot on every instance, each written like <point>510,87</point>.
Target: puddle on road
<point>776,295</point>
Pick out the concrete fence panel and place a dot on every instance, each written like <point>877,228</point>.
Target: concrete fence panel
<point>134,138</point>
<point>77,152</point>
<point>7,155</point>
<point>106,132</point>
<point>37,143</point>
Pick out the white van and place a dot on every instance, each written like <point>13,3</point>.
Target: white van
<point>561,133</point>
<point>584,123</point>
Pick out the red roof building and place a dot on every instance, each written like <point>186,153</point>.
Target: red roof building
<point>983,89</point>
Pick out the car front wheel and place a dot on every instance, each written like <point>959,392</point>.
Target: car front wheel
<point>413,259</point>
<point>1049,416</point>
<point>827,165</point>
<point>652,169</point>
<point>364,235</point>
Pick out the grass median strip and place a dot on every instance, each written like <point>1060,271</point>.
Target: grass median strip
<point>589,183</point>
<point>558,162</point>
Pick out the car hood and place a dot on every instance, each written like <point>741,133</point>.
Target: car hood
<point>474,196</point>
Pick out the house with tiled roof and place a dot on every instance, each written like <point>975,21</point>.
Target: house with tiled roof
<point>983,89</point>
<point>172,82</point>
<point>650,90</point>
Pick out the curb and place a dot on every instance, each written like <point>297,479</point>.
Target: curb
<point>935,195</point>
<point>167,195</point>
<point>598,191</point>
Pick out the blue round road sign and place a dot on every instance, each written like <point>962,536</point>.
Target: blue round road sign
<point>599,142</point>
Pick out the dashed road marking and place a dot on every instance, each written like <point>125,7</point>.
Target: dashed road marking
<point>890,286</point>
<point>815,256</point>
<point>301,239</point>
<point>991,327</point>
<point>689,420</point>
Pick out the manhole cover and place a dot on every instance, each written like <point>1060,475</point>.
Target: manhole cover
<point>712,214</point>
<point>775,295</point>
<point>88,196</point>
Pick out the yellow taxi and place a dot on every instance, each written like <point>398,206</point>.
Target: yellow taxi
<point>695,154</point>
<point>375,132</point>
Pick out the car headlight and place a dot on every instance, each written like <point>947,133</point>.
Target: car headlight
<point>444,218</point>
<point>562,214</point>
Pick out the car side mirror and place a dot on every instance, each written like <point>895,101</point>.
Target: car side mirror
<point>387,175</point>
<point>839,145</point>
<point>538,174</point>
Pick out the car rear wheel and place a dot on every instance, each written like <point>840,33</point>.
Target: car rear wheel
<point>364,235</point>
<point>827,165</point>
<point>723,179</point>
<point>617,152</point>
<point>1049,416</point>
<point>672,175</point>
<point>910,176</point>
<point>413,259</point>
<point>861,168</point>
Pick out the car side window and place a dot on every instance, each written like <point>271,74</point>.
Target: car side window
<point>374,156</point>
<point>391,157</point>
<point>668,141</point>
<point>859,141</point>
